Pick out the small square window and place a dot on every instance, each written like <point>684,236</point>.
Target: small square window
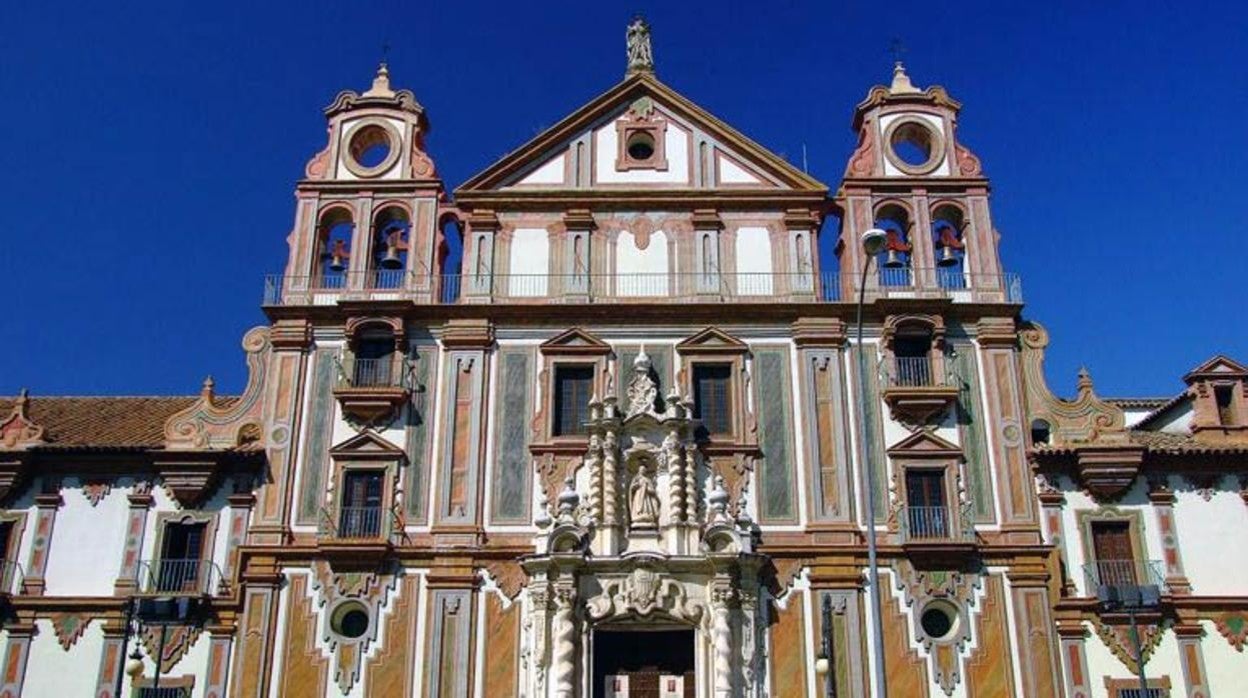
<point>641,145</point>
<point>574,387</point>
<point>712,397</point>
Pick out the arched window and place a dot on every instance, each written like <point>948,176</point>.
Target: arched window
<point>392,230</point>
<point>373,353</point>
<point>948,224</point>
<point>333,253</point>
<point>894,260</point>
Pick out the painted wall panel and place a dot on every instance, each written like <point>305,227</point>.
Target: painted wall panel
<point>320,429</point>
<point>775,470</point>
<point>510,493</point>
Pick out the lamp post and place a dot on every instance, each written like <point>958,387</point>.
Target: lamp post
<point>824,663</point>
<point>873,241</point>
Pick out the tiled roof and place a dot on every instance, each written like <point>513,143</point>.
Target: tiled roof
<point>1165,442</point>
<point>103,422</point>
<point>1137,403</point>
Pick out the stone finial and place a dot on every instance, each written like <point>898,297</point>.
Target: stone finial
<point>381,83</point>
<point>208,391</point>
<point>17,430</point>
<point>1084,383</point>
<point>901,82</point>
<point>568,499</point>
<point>637,39</point>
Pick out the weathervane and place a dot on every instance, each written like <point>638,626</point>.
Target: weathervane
<point>640,55</point>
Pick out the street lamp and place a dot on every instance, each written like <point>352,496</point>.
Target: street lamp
<point>1130,598</point>
<point>873,242</point>
<point>824,662</point>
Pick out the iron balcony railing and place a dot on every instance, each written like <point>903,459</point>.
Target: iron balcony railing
<point>931,524</point>
<point>11,577</point>
<point>1125,582</point>
<point>178,577</point>
<point>912,372</point>
<point>366,523</point>
<point>681,288</point>
<point>373,373</point>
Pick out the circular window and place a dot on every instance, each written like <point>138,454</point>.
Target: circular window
<point>913,146</point>
<point>373,149</point>
<point>350,620</point>
<point>641,146</point>
<point>939,620</point>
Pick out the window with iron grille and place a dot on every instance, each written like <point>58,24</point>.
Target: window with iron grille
<point>712,397</point>
<point>1137,693</point>
<point>162,692</point>
<point>181,563</point>
<point>573,389</point>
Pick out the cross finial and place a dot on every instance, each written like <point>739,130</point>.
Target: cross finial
<point>385,52</point>
<point>898,49</point>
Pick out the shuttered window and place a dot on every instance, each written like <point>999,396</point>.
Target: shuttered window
<point>712,397</point>
<point>573,390</point>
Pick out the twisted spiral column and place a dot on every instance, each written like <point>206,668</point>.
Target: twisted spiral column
<point>610,497</point>
<point>564,664</point>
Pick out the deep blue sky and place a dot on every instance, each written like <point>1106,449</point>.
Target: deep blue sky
<point>150,153</point>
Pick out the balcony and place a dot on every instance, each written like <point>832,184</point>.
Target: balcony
<point>915,391</point>
<point>1123,584</point>
<point>935,533</point>
<point>372,390</point>
<point>173,578</point>
<point>680,288</point>
<point>357,536</point>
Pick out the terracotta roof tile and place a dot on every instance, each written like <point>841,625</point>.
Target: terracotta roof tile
<point>103,422</point>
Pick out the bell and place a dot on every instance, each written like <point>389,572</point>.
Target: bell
<point>391,260</point>
<point>947,257</point>
<point>337,263</point>
<point>893,261</point>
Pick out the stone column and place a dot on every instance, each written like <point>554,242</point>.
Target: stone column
<point>46,506</point>
<point>721,640</point>
<point>141,501</point>
<point>1192,659</point>
<point>577,267</point>
<point>563,659</point>
<point>676,478</point>
<point>1074,659</point>
<point>1162,497</point>
<point>16,654</point>
<point>706,226</point>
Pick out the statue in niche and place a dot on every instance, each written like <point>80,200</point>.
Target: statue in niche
<point>640,56</point>
<point>642,390</point>
<point>643,500</point>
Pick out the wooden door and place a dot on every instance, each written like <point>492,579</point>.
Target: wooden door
<point>1115,557</point>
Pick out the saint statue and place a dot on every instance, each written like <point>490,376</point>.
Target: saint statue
<point>640,57</point>
<point>643,501</point>
<point>642,390</point>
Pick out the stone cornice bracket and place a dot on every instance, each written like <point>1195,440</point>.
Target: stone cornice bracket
<point>996,332</point>
<point>482,221</point>
<point>17,431</point>
<point>819,332</point>
<point>801,219</point>
<point>189,477</point>
<point>706,219</point>
<point>1108,470</point>
<point>468,334</point>
<point>291,334</point>
<point>579,219</point>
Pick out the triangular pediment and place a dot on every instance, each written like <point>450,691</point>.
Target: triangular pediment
<point>574,341</point>
<point>584,150</point>
<point>925,443</point>
<point>1217,367</point>
<point>712,339</point>
<point>366,444</point>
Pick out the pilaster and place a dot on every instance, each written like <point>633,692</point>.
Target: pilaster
<point>141,501</point>
<point>1162,497</point>
<point>1195,680</point>
<point>46,506</point>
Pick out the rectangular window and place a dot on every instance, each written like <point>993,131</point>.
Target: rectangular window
<point>1115,557</point>
<point>926,513</point>
<point>712,397</point>
<point>162,692</point>
<point>360,516</point>
<point>181,557</point>
<point>1224,395</point>
<point>573,389</point>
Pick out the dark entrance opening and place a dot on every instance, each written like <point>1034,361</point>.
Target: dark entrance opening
<point>645,657</point>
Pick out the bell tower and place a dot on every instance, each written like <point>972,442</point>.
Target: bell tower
<point>911,177</point>
<point>366,224</point>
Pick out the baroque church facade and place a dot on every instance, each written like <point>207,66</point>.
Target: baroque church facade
<point>614,443</point>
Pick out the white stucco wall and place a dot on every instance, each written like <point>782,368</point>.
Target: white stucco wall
<point>1212,539</point>
<point>1225,668</point>
<point>84,555</point>
<point>530,262</point>
<point>348,130</point>
<point>754,269</point>
<point>52,671</point>
<point>676,150</point>
<point>549,172</point>
<point>732,173</point>
<point>650,262</point>
<point>1176,420</point>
